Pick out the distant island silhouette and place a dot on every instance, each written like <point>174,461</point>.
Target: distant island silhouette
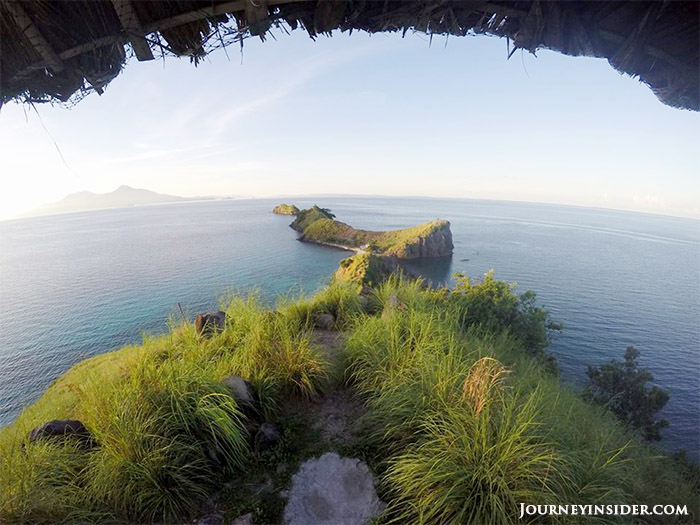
<point>121,197</point>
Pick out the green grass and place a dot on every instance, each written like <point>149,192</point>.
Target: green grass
<point>463,447</point>
<point>462,420</point>
<point>364,269</point>
<point>169,431</point>
<point>395,242</point>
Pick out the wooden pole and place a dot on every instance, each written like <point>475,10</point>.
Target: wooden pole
<point>132,26</point>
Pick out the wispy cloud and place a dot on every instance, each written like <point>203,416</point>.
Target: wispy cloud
<point>292,79</point>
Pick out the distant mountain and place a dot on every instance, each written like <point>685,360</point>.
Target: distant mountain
<point>121,197</point>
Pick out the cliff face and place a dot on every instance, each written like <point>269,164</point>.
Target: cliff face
<point>437,242</point>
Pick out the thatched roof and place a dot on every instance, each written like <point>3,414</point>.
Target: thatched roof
<point>60,50</point>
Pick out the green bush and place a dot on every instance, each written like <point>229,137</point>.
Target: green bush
<point>494,305</point>
<point>461,442</point>
<point>622,388</point>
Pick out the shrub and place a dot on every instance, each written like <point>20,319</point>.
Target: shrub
<point>622,388</point>
<point>474,467</point>
<point>495,306</point>
<point>463,423</point>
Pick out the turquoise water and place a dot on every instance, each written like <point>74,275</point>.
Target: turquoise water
<point>76,285</point>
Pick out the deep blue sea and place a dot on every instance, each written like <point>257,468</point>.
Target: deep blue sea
<point>76,285</point>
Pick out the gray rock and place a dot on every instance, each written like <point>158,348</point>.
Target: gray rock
<point>393,301</point>
<point>209,323</point>
<point>245,519</point>
<point>325,321</point>
<point>241,390</point>
<point>216,518</point>
<point>393,304</point>
<point>331,490</point>
<point>63,429</point>
<point>366,291</point>
<point>267,436</point>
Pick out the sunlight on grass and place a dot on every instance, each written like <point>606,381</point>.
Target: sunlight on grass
<point>463,412</point>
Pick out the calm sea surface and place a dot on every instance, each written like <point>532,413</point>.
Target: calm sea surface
<point>76,285</point>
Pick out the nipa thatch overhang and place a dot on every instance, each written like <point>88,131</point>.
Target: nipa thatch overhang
<point>60,50</point>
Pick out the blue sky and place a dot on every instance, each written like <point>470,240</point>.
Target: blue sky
<point>363,115</point>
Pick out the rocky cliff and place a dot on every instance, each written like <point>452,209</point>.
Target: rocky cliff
<point>432,239</point>
<point>436,241</point>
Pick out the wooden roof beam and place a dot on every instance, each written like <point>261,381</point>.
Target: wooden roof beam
<point>40,44</point>
<point>132,26</point>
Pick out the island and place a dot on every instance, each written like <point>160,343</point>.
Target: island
<point>122,197</point>
<point>285,209</point>
<point>318,225</point>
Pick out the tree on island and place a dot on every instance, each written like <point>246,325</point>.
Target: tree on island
<point>622,388</point>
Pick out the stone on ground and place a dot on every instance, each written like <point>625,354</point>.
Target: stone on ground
<point>246,519</point>
<point>63,428</point>
<point>267,436</point>
<point>332,490</point>
<point>325,321</point>
<point>208,323</point>
<point>241,390</point>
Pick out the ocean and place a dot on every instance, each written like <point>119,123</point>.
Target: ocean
<point>76,285</point>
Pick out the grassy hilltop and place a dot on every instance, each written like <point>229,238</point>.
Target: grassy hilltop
<point>462,416</point>
<point>432,239</point>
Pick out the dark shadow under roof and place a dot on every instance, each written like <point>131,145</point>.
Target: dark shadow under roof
<point>61,50</point>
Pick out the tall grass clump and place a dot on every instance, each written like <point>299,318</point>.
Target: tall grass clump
<point>168,430</point>
<point>341,299</point>
<point>474,467</point>
<point>469,421</point>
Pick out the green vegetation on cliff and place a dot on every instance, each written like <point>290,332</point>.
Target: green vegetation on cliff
<point>310,215</point>
<point>432,239</point>
<point>364,269</point>
<point>285,209</point>
<point>463,421</point>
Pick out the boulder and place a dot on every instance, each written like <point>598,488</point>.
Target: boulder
<point>267,436</point>
<point>63,429</point>
<point>208,323</point>
<point>245,519</point>
<point>325,321</point>
<point>241,390</point>
<point>332,490</point>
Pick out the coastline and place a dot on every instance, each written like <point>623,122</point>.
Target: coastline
<point>345,247</point>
